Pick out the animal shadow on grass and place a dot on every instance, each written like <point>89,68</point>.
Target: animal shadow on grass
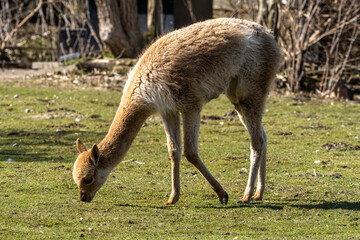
<point>355,206</point>
<point>274,206</point>
<point>23,146</point>
<point>330,205</point>
<point>159,206</point>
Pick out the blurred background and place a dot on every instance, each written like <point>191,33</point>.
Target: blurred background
<point>319,38</point>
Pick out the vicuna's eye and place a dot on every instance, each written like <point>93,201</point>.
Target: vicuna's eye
<point>88,181</point>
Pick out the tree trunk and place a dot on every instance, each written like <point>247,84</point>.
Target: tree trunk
<point>155,18</point>
<point>119,28</point>
<point>273,17</point>
<point>261,16</point>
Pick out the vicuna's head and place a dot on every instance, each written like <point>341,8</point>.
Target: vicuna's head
<point>86,173</point>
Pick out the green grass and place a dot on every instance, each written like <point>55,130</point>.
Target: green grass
<point>39,200</point>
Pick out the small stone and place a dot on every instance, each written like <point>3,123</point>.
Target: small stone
<point>77,119</point>
<point>243,170</point>
<point>317,161</point>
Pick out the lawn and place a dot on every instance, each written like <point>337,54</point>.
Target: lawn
<point>313,171</point>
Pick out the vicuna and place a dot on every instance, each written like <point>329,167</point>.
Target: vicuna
<point>179,73</point>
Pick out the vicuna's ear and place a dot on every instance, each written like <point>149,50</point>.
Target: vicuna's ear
<point>80,146</point>
<point>95,154</point>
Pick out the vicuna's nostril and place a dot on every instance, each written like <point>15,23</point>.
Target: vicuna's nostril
<point>82,197</point>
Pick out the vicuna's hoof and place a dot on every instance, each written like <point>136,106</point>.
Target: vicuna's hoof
<point>256,197</point>
<point>244,200</point>
<point>172,200</point>
<point>224,199</point>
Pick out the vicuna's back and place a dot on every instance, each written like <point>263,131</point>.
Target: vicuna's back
<point>196,63</point>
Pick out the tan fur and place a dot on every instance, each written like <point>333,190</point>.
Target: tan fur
<point>179,73</point>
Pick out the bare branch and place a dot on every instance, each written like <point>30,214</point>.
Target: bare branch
<point>7,38</point>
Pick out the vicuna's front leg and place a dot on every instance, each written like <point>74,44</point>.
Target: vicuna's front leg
<point>191,124</point>
<point>171,122</point>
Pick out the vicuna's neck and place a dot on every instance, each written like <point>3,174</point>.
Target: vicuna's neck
<point>127,122</point>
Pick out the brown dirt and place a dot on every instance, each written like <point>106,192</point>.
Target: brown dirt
<point>7,74</point>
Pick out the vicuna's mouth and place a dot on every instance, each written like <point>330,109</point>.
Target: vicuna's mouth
<point>84,197</point>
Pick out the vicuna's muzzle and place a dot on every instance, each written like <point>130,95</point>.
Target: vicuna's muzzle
<point>85,197</point>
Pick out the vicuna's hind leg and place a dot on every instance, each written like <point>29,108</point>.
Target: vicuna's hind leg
<point>191,124</point>
<point>173,134</point>
<point>250,113</point>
